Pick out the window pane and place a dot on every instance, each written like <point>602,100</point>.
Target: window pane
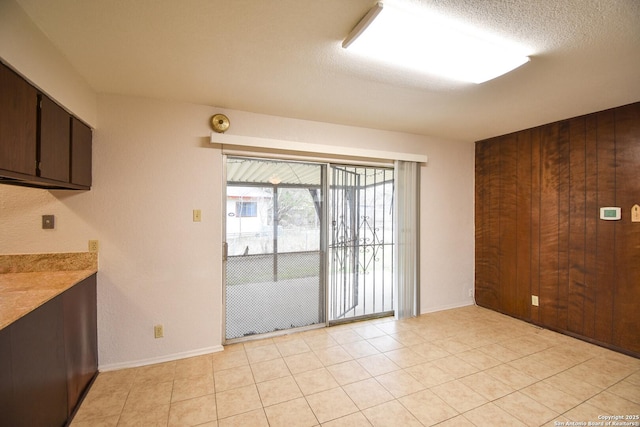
<point>247,209</point>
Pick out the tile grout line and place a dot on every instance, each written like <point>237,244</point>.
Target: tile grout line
<point>445,331</point>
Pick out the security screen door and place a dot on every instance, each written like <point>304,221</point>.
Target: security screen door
<point>288,267</point>
<point>361,244</point>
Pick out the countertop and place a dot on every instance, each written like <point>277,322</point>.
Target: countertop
<point>21,293</point>
<point>28,281</point>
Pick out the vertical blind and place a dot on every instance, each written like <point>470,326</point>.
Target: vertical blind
<point>406,253</point>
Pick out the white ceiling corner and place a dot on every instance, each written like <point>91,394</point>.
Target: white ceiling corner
<point>283,57</point>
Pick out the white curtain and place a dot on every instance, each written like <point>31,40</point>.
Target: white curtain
<point>407,232</point>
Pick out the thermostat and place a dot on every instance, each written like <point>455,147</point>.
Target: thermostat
<point>610,214</point>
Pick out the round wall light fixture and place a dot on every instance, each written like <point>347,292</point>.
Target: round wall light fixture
<point>220,123</point>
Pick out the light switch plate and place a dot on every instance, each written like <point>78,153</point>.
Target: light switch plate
<point>635,213</point>
<point>197,215</point>
<point>534,300</point>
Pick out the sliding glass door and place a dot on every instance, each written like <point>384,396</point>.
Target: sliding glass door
<point>307,244</point>
<point>275,262</point>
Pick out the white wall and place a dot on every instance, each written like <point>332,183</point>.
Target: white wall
<point>152,166</point>
<point>447,236</point>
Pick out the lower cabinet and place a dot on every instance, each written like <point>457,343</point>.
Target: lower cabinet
<point>80,339</point>
<point>6,377</point>
<point>48,358</point>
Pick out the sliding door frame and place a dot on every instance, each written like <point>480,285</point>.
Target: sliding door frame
<point>325,164</point>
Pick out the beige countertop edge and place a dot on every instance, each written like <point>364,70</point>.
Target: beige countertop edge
<point>26,263</point>
<point>21,293</point>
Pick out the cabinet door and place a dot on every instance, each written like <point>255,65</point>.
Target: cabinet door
<point>6,380</point>
<point>18,121</point>
<point>80,338</point>
<point>55,137</point>
<point>80,153</point>
<point>39,371</point>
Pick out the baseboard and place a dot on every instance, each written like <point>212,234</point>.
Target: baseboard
<point>161,359</point>
<point>447,307</point>
<point>217,348</point>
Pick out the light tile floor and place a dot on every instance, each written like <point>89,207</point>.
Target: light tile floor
<point>462,367</point>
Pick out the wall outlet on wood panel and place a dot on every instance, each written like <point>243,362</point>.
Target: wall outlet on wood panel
<point>534,300</point>
<point>635,213</point>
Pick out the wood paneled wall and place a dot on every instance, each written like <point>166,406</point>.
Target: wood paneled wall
<point>537,208</point>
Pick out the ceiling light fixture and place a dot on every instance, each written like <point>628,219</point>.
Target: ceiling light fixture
<point>275,180</point>
<point>430,44</point>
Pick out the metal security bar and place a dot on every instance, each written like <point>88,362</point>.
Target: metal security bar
<point>361,245</point>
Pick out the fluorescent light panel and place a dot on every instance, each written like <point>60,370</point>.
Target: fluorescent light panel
<point>429,44</point>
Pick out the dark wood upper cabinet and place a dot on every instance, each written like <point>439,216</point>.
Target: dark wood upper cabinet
<point>18,123</point>
<point>55,139</point>
<point>41,144</point>
<point>80,153</point>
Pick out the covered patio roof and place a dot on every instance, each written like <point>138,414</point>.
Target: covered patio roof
<point>247,171</point>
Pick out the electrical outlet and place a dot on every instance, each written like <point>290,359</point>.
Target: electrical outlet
<point>158,331</point>
<point>471,292</point>
<point>93,246</point>
<point>534,300</point>
<point>197,215</point>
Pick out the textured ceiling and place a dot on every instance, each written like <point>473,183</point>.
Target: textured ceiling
<point>283,58</point>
